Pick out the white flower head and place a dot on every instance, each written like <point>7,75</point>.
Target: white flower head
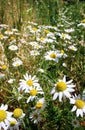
<point>35,116</point>
<point>17,63</point>
<point>5,117</point>
<point>75,123</point>
<point>13,47</point>
<point>62,89</point>
<point>34,91</point>
<point>8,32</point>
<point>10,81</point>
<point>52,55</point>
<point>40,104</point>
<point>65,36</point>
<point>69,30</point>
<point>79,106</point>
<point>28,82</point>
<point>14,124</point>
<point>72,48</point>
<point>34,53</point>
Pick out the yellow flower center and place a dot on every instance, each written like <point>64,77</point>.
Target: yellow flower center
<point>3,115</point>
<point>12,38</point>
<point>61,86</point>
<point>4,67</point>
<point>46,31</point>
<point>83,21</point>
<point>62,51</point>
<point>17,64</point>
<point>17,112</point>
<point>53,55</point>
<point>33,92</point>
<point>63,35</point>
<point>13,123</point>
<point>39,105</point>
<point>29,82</point>
<point>34,29</point>
<point>79,104</point>
<point>1,36</point>
<point>42,39</point>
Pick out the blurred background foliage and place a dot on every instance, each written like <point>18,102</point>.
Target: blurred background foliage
<point>16,12</point>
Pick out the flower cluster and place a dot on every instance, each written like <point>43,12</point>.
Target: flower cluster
<point>10,120</point>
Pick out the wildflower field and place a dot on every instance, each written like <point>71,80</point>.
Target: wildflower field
<point>42,65</point>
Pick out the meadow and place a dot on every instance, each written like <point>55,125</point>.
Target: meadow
<point>42,65</point>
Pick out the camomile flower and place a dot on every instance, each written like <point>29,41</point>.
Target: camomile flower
<point>69,30</point>
<point>18,113</point>
<point>14,124</point>
<point>34,93</point>
<point>34,53</point>
<point>79,106</point>
<point>4,67</point>
<point>5,117</point>
<point>72,48</point>
<point>13,47</point>
<point>75,123</point>
<point>8,32</point>
<point>10,81</point>
<point>35,116</point>
<point>3,37</point>
<point>65,36</point>
<point>52,55</point>
<point>62,89</point>
<point>82,23</point>
<point>28,82</point>
<point>17,63</point>
<point>40,104</point>
<point>40,70</point>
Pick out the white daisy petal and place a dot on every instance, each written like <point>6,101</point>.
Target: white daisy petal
<point>79,112</point>
<point>74,108</point>
<point>55,96</point>
<point>60,96</point>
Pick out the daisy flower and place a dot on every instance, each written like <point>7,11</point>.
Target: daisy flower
<point>72,48</point>
<point>3,37</point>
<point>34,53</point>
<point>5,117</point>
<point>17,63</point>
<point>65,36</point>
<point>13,47</point>
<point>8,32</point>
<point>14,124</point>
<point>10,81</point>
<point>35,116</point>
<point>82,23</point>
<point>75,123</point>
<point>40,104</point>
<point>52,55</point>
<point>62,89</point>
<point>69,30</point>
<point>34,92</point>
<point>79,106</point>
<point>28,82</point>
<point>18,113</point>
